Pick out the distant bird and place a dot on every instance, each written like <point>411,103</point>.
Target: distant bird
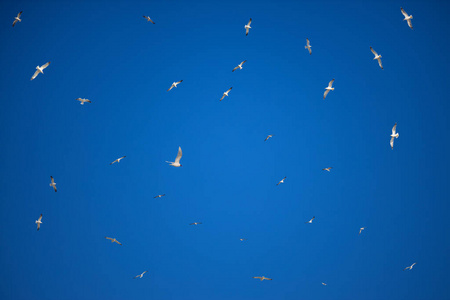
<point>410,267</point>
<point>175,84</point>
<point>159,196</point>
<point>242,240</point>
<point>407,18</point>
<point>82,100</point>
<point>113,240</point>
<point>226,93</point>
<point>148,19</point>
<point>281,181</point>
<point>327,169</point>
<point>53,183</point>
<point>118,160</point>
<point>310,221</point>
<point>393,135</point>
<point>328,89</point>
<point>140,275</point>
<point>239,66</point>
<point>196,223</point>
<point>268,137</point>
<point>247,27</point>
<point>361,229</point>
<point>39,70</point>
<point>17,19</point>
<point>39,222</point>
<point>262,278</point>
<point>377,57</point>
<point>323,283</point>
<point>176,163</point>
<point>308,46</point>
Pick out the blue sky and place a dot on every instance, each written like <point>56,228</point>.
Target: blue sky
<point>106,51</point>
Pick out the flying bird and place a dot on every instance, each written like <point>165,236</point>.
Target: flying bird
<point>118,160</point>
<point>175,84</point>
<point>310,221</point>
<point>393,135</point>
<point>176,163</point>
<point>17,19</point>
<point>39,222</point>
<point>239,66</point>
<point>242,240</point>
<point>226,93</point>
<point>196,223</point>
<point>159,196</point>
<point>361,229</point>
<point>113,240</point>
<point>247,27</point>
<point>53,183</point>
<point>377,57</point>
<point>410,267</point>
<point>39,70</point>
<point>268,137</point>
<point>328,89</point>
<point>323,283</point>
<point>140,275</point>
<point>327,169</point>
<point>308,46</point>
<point>281,181</point>
<point>262,278</point>
<point>148,19</point>
<point>83,100</point>
<point>407,18</point>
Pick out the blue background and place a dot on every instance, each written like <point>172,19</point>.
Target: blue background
<point>106,51</point>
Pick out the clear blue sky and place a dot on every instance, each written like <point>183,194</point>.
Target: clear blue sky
<point>107,52</point>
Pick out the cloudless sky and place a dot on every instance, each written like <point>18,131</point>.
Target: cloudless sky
<point>107,52</point>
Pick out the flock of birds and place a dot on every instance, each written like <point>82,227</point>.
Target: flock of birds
<point>176,163</point>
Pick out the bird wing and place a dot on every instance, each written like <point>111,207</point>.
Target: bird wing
<point>392,142</point>
<point>136,276</point>
<point>52,179</point>
<point>38,226</point>
<point>151,21</point>
<point>180,81</point>
<point>171,87</point>
<point>229,89</point>
<point>118,242</point>
<point>45,66</point>
<point>35,74</point>
<point>242,63</point>
<point>114,161</point>
<point>404,12</point>
<point>249,22</point>
<point>330,84</point>
<point>14,23</point>
<point>373,51</point>
<point>325,94</point>
<point>108,238</point>
<point>266,138</point>
<point>19,14</point>
<point>257,277</point>
<point>406,268</point>
<point>379,62</point>
<point>394,128</point>
<point>413,264</point>
<point>309,49</point>
<point>267,278</point>
<point>223,96</point>
<point>40,218</point>
<point>409,23</point>
<point>179,155</point>
<point>122,157</point>
<point>307,43</point>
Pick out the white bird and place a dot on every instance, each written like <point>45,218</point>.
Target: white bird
<point>175,84</point>
<point>281,181</point>
<point>328,89</point>
<point>407,18</point>
<point>308,46</point>
<point>262,278</point>
<point>361,229</point>
<point>268,137</point>
<point>377,57</point>
<point>393,135</point>
<point>39,222</point>
<point>39,70</point>
<point>323,283</point>
<point>113,240</point>
<point>140,275</point>
<point>410,267</point>
<point>17,19</point>
<point>239,66</point>
<point>118,160</point>
<point>310,221</point>
<point>83,100</point>
<point>226,93</point>
<point>53,183</point>
<point>247,27</point>
<point>196,223</point>
<point>176,163</point>
<point>159,196</point>
<point>148,19</point>
<point>327,169</point>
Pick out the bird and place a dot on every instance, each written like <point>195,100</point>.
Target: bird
<point>262,278</point>
<point>196,223</point>
<point>361,229</point>
<point>17,19</point>
<point>176,163</point>
<point>39,70</point>
<point>410,267</point>
<point>323,283</point>
<point>393,135</point>
<point>175,84</point>
<point>281,181</point>
<point>268,137</point>
<point>378,57</point>
<point>239,66</point>
<point>407,18</point>
<point>328,89</point>
<point>159,196</point>
<point>327,169</point>
<point>247,27</point>
<point>39,222</point>
<point>140,275</point>
<point>118,160</point>
<point>53,183</point>
<point>308,46</point>
<point>310,221</point>
<point>113,240</point>
<point>225,94</point>
<point>148,19</point>
<point>83,100</point>
<point>242,240</point>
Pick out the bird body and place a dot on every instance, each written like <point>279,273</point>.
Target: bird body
<point>328,89</point>
<point>407,18</point>
<point>83,100</point>
<point>310,221</point>
<point>327,169</point>
<point>53,183</point>
<point>377,57</point>
<point>39,222</point>
<point>17,19</point>
<point>308,46</point>
<point>176,163</point>
<point>39,70</point>
<point>174,85</point>
<point>225,94</point>
<point>323,283</point>
<point>247,27</point>
<point>281,181</point>
<point>393,135</point>
<point>239,66</point>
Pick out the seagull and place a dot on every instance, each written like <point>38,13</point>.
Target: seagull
<point>118,160</point>
<point>159,196</point>
<point>268,137</point>
<point>226,93</point>
<point>308,46</point>
<point>141,275</point>
<point>39,70</point>
<point>393,135</point>
<point>410,267</point>
<point>242,240</point>
<point>281,181</point>
<point>247,27</point>
<point>175,84</point>
<point>82,100</point>
<point>239,66</point>
<point>262,278</point>
<point>196,223</point>
<point>323,283</point>
<point>361,229</point>
<point>53,184</point>
<point>378,57</point>
<point>176,163</point>
<point>327,169</point>
<point>39,222</point>
<point>113,240</point>
<point>148,19</point>
<point>407,18</point>
<point>310,221</point>
<point>328,89</point>
<point>17,19</point>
